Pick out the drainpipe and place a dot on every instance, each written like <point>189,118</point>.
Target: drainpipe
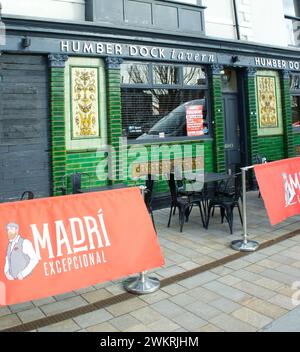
<point>236,20</point>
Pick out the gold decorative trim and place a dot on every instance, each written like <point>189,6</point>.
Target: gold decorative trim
<point>160,168</point>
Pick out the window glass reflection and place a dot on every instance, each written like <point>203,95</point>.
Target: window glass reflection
<point>295,82</point>
<point>166,74</point>
<point>134,73</point>
<point>194,76</point>
<point>163,113</point>
<point>296,111</point>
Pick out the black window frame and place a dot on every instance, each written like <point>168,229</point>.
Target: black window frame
<point>198,2</point>
<point>295,93</point>
<point>180,86</point>
<point>292,18</point>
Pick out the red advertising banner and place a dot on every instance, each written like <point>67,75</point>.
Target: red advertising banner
<point>279,184</point>
<point>55,245</point>
<point>194,120</point>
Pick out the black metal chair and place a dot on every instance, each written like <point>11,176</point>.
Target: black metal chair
<point>149,196</point>
<point>27,195</point>
<point>227,198</point>
<point>75,179</point>
<point>184,203</point>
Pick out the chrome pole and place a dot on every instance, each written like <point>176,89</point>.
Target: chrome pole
<point>143,284</point>
<point>245,245</point>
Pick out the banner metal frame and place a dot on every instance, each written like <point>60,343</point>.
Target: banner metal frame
<point>245,245</point>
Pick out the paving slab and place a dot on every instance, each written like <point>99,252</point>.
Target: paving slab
<point>287,323</point>
<point>93,318</point>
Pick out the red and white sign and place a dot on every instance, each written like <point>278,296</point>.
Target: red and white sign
<point>55,245</point>
<point>279,184</point>
<point>195,120</point>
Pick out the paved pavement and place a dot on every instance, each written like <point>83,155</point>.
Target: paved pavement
<point>288,323</point>
<point>253,293</point>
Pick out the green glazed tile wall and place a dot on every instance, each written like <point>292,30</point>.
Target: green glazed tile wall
<point>143,152</point>
<point>64,163</point>
<point>95,163</point>
<point>287,117</point>
<point>280,147</point>
<point>92,162</point>
<point>272,147</point>
<point>57,102</point>
<point>114,115</point>
<point>218,118</point>
<point>87,162</point>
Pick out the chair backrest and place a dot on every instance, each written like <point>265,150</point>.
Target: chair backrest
<point>76,182</point>
<point>149,191</point>
<point>75,179</point>
<point>27,195</point>
<point>260,159</point>
<point>238,187</point>
<point>231,187</point>
<point>173,187</point>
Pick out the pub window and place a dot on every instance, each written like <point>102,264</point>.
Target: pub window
<point>189,2</point>
<point>295,82</point>
<point>173,105</point>
<point>194,76</point>
<point>134,73</point>
<point>296,111</point>
<point>295,96</point>
<point>291,8</point>
<point>166,74</point>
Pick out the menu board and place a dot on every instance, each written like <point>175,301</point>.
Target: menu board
<point>195,120</point>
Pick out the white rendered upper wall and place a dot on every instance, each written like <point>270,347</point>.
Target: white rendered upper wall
<point>219,19</point>
<point>260,21</point>
<point>72,10</point>
<point>269,26</point>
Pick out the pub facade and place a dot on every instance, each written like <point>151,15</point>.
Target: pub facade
<point>135,76</point>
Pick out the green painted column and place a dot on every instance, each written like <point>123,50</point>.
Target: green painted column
<point>114,113</point>
<point>218,118</point>
<point>287,115</point>
<point>57,112</point>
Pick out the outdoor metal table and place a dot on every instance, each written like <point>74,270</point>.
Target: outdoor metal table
<point>103,188</point>
<point>202,183</point>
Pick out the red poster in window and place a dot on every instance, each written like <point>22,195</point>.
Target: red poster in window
<point>55,245</point>
<point>279,184</point>
<point>194,120</point>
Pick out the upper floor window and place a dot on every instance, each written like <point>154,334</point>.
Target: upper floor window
<point>292,16</point>
<point>189,2</point>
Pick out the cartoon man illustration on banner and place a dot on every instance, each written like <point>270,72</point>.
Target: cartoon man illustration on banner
<point>21,258</point>
<point>289,190</point>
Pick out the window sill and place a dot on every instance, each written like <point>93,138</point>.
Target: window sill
<point>289,17</point>
<point>180,140</point>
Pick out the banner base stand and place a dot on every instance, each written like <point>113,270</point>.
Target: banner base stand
<point>245,246</point>
<point>142,285</point>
